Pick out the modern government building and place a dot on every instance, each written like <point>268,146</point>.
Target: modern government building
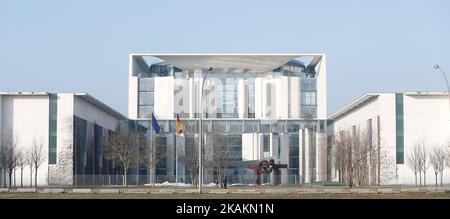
<point>255,107</point>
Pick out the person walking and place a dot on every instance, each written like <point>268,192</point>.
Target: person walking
<point>225,182</point>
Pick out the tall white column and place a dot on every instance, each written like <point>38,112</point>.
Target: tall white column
<point>258,98</point>
<point>284,157</point>
<point>321,157</point>
<point>301,160</point>
<point>282,97</point>
<point>273,152</point>
<point>242,99</point>
<point>308,157</point>
<point>295,94</point>
<point>192,99</point>
<point>269,100</point>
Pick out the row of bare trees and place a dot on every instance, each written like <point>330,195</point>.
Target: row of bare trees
<point>13,158</point>
<point>421,158</point>
<point>359,160</point>
<point>131,147</point>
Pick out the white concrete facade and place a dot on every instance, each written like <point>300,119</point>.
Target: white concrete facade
<point>263,88</point>
<point>426,118</point>
<point>274,97</point>
<point>26,115</point>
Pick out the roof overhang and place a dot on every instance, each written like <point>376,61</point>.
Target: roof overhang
<point>361,101</point>
<point>246,63</point>
<point>426,93</point>
<point>90,99</point>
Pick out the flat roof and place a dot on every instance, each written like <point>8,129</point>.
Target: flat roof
<point>85,96</point>
<point>248,62</point>
<point>25,93</point>
<point>426,93</point>
<point>364,99</point>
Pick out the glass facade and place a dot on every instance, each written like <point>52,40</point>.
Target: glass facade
<point>52,138</point>
<point>91,166</point>
<point>225,90</point>
<point>222,114</point>
<point>146,97</point>
<point>293,158</point>
<point>230,131</point>
<point>399,124</point>
<point>308,98</point>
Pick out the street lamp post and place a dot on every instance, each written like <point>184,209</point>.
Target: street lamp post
<point>437,67</point>
<point>200,141</point>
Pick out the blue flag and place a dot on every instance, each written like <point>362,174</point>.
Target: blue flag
<point>155,124</point>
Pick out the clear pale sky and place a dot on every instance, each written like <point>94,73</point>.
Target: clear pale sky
<point>83,46</point>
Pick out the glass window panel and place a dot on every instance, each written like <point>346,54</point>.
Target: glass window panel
<point>146,98</point>
<point>146,84</point>
<point>145,111</point>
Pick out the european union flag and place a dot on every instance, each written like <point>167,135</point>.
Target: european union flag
<point>155,124</point>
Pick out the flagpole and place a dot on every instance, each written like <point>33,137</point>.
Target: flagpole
<point>200,142</point>
<point>176,160</point>
<point>149,154</point>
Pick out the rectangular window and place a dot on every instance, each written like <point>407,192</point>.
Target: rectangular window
<point>145,111</point>
<point>369,133</point>
<point>146,98</point>
<point>266,145</point>
<point>399,124</point>
<point>146,84</point>
<point>52,143</point>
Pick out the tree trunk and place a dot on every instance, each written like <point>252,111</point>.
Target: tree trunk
<point>125,173</point>
<point>436,174</point>
<point>10,178</point>
<point>415,177</point>
<point>4,178</point>
<point>35,177</point>
<point>420,178</point>
<point>14,178</point>
<point>442,173</point>
<point>424,178</point>
<point>31,177</point>
<point>21,178</point>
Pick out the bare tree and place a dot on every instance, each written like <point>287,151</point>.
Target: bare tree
<point>3,160</point>
<point>190,158</point>
<point>413,162</point>
<point>123,146</point>
<point>423,160</point>
<point>62,173</point>
<point>388,169</point>
<point>345,158</point>
<point>221,152</point>
<point>437,161</point>
<point>150,155</point>
<point>355,156</point>
<point>10,149</point>
<point>21,162</point>
<point>29,162</point>
<point>37,157</point>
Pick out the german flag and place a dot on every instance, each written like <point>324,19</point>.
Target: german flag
<point>179,126</point>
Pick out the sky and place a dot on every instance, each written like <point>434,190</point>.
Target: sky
<point>83,46</point>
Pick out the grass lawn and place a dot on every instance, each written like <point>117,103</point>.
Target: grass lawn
<point>439,195</point>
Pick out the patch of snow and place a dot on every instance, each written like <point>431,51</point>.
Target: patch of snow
<point>166,183</point>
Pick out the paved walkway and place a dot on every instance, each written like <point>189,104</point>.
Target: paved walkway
<point>242,190</point>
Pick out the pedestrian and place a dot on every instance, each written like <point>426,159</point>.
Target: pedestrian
<point>225,182</point>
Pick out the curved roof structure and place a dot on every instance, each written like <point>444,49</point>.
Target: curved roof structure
<point>248,63</point>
